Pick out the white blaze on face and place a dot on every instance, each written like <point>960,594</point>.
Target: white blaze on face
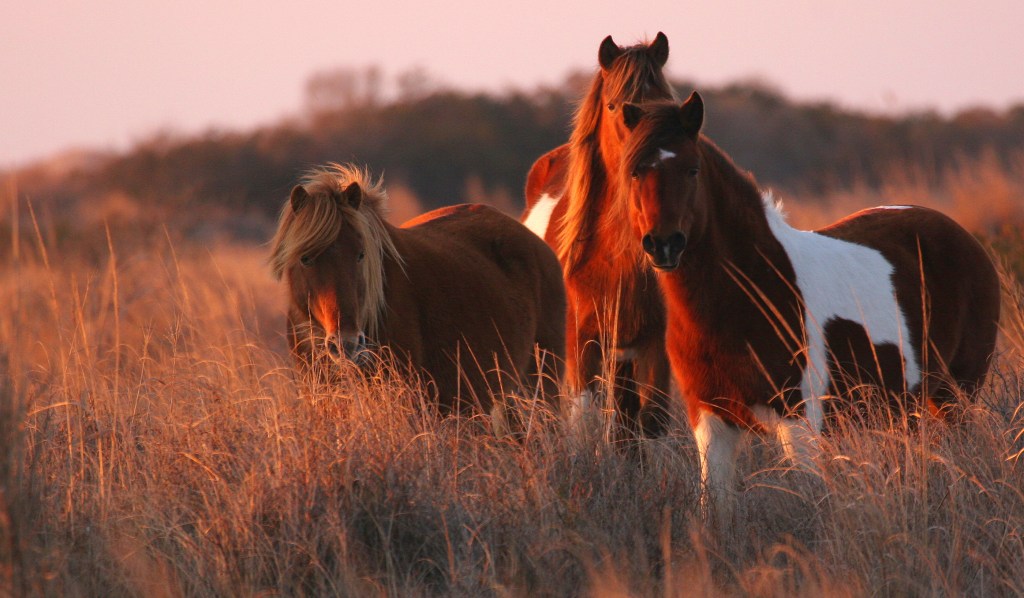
<point>663,154</point>
<point>840,280</point>
<point>325,310</point>
<point>540,215</point>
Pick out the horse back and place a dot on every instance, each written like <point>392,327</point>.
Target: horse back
<point>477,282</point>
<point>547,176</point>
<point>483,236</point>
<point>545,188</point>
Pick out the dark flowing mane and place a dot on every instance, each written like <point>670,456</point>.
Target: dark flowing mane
<point>635,76</point>
<point>318,224</point>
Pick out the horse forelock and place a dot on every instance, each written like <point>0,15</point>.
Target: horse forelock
<point>318,223</point>
<point>634,77</point>
<point>659,127</point>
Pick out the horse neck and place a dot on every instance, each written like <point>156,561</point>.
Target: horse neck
<point>393,268</point>
<point>591,189</point>
<point>397,235</point>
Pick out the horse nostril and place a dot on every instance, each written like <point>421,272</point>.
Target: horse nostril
<point>677,242</point>
<point>650,246</point>
<point>354,347</point>
<point>333,348</point>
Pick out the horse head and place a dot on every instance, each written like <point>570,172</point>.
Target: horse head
<point>661,170</point>
<point>629,75</point>
<point>329,247</point>
<point>327,282</point>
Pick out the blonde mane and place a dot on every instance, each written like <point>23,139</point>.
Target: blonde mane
<point>318,223</point>
<point>634,77</point>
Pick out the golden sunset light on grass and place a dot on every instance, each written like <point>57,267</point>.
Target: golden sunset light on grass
<point>226,369</point>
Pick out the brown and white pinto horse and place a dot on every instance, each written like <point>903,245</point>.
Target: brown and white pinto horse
<point>464,294</point>
<point>766,321</point>
<point>572,202</point>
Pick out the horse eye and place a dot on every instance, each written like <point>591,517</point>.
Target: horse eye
<point>635,174</point>
<point>362,254</point>
<point>611,106</point>
<point>693,171</point>
<point>307,260</point>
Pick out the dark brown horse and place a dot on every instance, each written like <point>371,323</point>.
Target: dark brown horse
<point>463,294</point>
<point>766,321</point>
<point>571,196</point>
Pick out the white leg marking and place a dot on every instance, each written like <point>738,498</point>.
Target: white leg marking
<point>717,442</point>
<point>499,420</point>
<point>798,439</point>
<point>580,406</point>
<point>799,443</point>
<point>586,420</point>
<point>815,381</point>
<point>540,215</point>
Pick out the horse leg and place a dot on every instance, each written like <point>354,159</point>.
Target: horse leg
<point>962,376</point>
<point>626,400</point>
<point>583,370</point>
<point>545,369</point>
<point>798,439</point>
<point>717,443</point>
<point>653,379</point>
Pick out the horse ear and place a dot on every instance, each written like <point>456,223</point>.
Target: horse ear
<point>631,115</point>
<point>658,49</point>
<point>299,197</point>
<point>692,114</point>
<point>608,52</point>
<point>353,194</point>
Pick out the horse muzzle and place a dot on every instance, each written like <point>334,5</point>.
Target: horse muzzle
<point>353,348</point>
<point>664,252</point>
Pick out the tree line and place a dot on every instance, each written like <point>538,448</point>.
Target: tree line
<point>436,141</point>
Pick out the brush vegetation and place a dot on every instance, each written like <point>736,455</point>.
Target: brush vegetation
<point>155,441</point>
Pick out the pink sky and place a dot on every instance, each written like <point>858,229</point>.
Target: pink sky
<point>106,74</point>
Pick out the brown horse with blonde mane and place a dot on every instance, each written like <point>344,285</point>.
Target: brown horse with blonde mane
<point>572,202</point>
<point>463,294</point>
<point>766,322</point>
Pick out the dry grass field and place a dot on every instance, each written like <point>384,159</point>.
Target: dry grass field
<point>153,441</point>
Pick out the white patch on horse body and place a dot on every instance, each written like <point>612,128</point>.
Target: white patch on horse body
<point>840,279</point>
<point>664,154</point>
<point>540,215</point>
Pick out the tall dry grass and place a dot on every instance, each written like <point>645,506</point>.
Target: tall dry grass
<point>153,441</point>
